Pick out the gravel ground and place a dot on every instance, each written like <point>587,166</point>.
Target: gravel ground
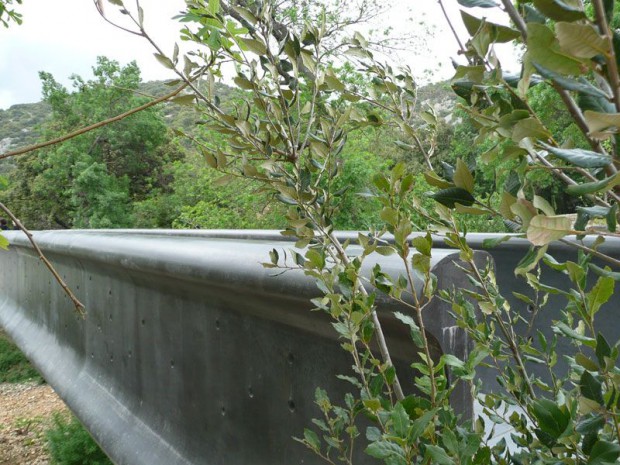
<point>25,413</point>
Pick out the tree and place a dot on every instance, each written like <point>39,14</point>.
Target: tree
<point>92,180</point>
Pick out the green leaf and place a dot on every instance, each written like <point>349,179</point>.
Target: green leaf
<point>602,125</point>
<point>434,180</point>
<point>532,15</point>
<point>187,100</point>
<point>473,74</point>
<point>254,45</point>
<point>420,424</point>
<point>544,49</point>
<point>333,82</point>
<point>501,33</point>
<point>478,3</point>
<point>312,439</point>
<point>605,272</point>
<point>591,424</point>
<point>604,453</point>
<point>423,244</point>
<point>612,219</point>
<point>164,60</point>
<point>595,186</point>
<point>438,455</point>
<point>400,420</point>
<point>598,104</point>
<point>563,328</point>
<point>373,434</point>
<point>453,195</point>
<point>243,82</point>
<point>462,177</point>
<point>531,259</point>
<point>245,14</point>
<point>543,205</point>
<point>545,229</point>
<point>585,362</point>
<point>222,181</point>
<point>600,293</point>
<point>602,349</point>
<point>580,157</point>
<point>581,40</point>
<point>552,419</point>
<point>452,361</point>
<point>494,242</point>
<point>595,212</point>
<point>384,449</point>
<point>582,86</point>
<point>591,388</point>
<point>4,242</point>
<point>529,127</point>
<point>559,10</point>
<point>416,334</point>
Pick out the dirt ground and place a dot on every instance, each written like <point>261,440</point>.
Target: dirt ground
<point>25,413</point>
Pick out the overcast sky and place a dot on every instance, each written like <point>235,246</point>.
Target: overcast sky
<point>64,37</point>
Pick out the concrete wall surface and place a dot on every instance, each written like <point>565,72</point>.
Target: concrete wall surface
<point>191,351</point>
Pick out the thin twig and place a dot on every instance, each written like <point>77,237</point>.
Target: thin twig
<point>579,119</point>
<point>612,67</point>
<point>86,129</point>
<point>592,251</point>
<point>516,18</point>
<point>456,36</point>
<point>379,334</point>
<point>79,306</point>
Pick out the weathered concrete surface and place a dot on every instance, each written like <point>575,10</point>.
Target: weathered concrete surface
<point>192,352</point>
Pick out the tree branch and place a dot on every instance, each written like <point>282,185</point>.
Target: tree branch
<point>79,306</point>
<point>86,129</point>
<point>612,67</point>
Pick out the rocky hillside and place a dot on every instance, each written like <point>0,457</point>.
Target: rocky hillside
<point>20,123</point>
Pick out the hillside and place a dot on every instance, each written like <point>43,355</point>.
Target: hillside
<point>20,123</point>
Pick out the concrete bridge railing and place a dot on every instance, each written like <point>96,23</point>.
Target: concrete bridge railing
<point>193,353</point>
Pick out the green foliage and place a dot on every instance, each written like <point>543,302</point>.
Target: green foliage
<point>292,134</point>
<point>287,136</point>
<point>14,366</point>
<point>8,13</point>
<point>92,180</point>
<point>196,201</point>
<point>70,444</point>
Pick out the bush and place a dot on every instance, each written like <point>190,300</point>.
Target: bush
<point>14,366</point>
<point>70,443</point>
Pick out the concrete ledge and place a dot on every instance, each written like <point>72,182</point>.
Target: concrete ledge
<point>192,352</point>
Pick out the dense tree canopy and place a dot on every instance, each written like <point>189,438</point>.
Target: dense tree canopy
<point>91,180</point>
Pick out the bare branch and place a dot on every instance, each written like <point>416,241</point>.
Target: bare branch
<point>86,129</point>
<point>79,306</point>
<point>612,66</point>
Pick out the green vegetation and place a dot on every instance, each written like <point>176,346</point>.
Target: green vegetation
<point>522,154</point>
<point>8,13</point>
<point>70,443</point>
<point>514,157</point>
<point>14,366</point>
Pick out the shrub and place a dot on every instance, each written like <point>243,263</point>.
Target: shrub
<point>14,366</point>
<point>70,443</point>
